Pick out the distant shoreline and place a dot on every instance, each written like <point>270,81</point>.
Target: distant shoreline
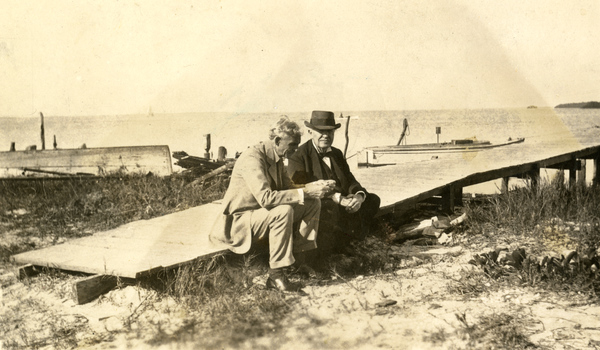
<point>590,104</point>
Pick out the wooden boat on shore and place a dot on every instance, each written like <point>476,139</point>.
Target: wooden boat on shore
<point>86,162</point>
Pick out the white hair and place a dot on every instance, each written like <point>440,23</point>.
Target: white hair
<point>284,126</point>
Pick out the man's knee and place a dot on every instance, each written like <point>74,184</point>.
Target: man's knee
<point>371,205</point>
<point>282,212</point>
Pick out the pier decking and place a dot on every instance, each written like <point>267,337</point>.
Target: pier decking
<point>143,247</point>
<point>403,185</point>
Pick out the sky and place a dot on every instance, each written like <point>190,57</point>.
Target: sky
<point>82,57</point>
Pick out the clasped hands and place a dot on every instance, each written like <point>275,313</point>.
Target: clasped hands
<point>319,188</point>
<point>352,202</point>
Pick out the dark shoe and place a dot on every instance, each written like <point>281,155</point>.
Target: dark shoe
<point>304,270</point>
<point>283,284</point>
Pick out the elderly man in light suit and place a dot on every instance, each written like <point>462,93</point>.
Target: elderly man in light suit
<point>260,203</point>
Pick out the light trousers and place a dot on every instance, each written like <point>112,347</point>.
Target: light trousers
<point>289,228</point>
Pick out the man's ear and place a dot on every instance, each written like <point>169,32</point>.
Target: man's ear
<point>277,139</point>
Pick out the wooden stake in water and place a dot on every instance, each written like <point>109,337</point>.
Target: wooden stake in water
<point>347,138</point>
<point>207,146</point>
<point>42,132</point>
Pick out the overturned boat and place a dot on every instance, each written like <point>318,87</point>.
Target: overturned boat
<point>101,161</point>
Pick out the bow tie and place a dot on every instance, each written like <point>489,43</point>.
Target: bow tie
<point>326,154</point>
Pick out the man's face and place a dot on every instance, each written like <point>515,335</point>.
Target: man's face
<point>286,146</point>
<point>322,138</point>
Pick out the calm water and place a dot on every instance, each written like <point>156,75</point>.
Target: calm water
<point>184,132</point>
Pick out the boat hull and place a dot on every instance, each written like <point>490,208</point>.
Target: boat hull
<point>390,155</point>
<point>439,147</point>
<point>87,161</point>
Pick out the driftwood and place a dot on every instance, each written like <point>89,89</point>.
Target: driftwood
<point>213,173</point>
<point>431,228</point>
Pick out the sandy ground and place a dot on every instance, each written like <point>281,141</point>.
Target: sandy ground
<point>417,306</point>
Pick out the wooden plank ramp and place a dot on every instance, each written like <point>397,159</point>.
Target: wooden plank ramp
<point>143,247</point>
<point>136,248</point>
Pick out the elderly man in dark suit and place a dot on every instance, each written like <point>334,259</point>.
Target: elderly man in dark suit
<point>261,204</point>
<point>347,214</point>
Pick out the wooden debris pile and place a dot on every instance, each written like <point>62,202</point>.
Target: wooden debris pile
<point>203,168</point>
<point>428,232</point>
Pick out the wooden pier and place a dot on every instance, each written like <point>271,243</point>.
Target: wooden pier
<point>144,247</point>
<point>403,185</point>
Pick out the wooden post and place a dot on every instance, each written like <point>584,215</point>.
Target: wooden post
<point>54,144</point>
<point>42,132</point>
<point>572,173</point>
<point>207,146</point>
<point>504,185</point>
<point>222,154</point>
<point>595,178</point>
<point>92,287</point>
<point>458,194</point>
<point>347,137</point>
<point>581,172</point>
<point>12,147</point>
<point>534,177</point>
<point>448,199</point>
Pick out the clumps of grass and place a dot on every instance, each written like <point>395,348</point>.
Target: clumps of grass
<point>541,214</point>
<point>521,209</point>
<point>575,272</point>
<point>222,301</point>
<point>31,325</point>
<point>495,331</point>
<point>361,257</point>
<point>77,207</point>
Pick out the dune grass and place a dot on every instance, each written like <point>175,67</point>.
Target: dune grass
<point>219,294</point>
<point>51,210</point>
<point>562,226</point>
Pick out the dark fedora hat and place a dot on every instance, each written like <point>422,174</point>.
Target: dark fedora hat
<point>322,120</point>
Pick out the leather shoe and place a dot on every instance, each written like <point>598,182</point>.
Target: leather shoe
<point>282,284</point>
<point>304,270</point>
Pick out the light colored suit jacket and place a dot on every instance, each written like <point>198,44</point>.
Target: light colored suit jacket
<point>254,184</point>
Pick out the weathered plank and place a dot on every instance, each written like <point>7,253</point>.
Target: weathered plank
<point>135,248</point>
<point>90,288</point>
<point>95,161</point>
<point>405,184</point>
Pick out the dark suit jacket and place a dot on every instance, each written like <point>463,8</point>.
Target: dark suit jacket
<point>254,184</point>
<point>305,166</point>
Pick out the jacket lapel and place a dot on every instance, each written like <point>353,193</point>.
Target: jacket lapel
<point>272,166</point>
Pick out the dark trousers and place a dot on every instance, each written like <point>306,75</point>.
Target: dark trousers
<point>337,227</point>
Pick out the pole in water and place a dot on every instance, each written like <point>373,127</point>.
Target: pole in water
<point>438,131</point>
<point>54,144</point>
<point>42,132</point>
<point>347,138</point>
<point>207,146</point>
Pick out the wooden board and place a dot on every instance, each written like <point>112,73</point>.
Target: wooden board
<point>135,248</point>
<point>95,161</point>
<point>411,182</point>
<point>143,246</point>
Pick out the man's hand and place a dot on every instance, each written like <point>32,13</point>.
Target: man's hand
<point>319,189</point>
<point>352,202</point>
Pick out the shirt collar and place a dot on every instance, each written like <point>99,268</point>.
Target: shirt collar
<point>276,157</point>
